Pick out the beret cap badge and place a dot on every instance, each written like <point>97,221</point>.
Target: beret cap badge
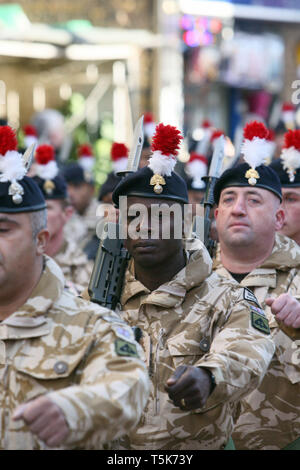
<point>290,156</point>
<point>255,149</point>
<point>50,182</point>
<point>18,192</point>
<point>13,165</point>
<point>47,168</point>
<point>49,186</point>
<point>252,176</point>
<point>253,172</point>
<point>164,146</point>
<point>157,181</point>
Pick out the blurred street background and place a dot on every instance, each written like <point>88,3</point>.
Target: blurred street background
<point>190,63</point>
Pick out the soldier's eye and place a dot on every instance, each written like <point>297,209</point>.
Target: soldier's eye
<point>227,200</point>
<point>255,201</point>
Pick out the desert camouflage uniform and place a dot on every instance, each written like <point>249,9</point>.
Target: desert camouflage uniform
<point>77,269</point>
<point>201,320</point>
<point>80,355</point>
<point>270,416</point>
<point>81,228</point>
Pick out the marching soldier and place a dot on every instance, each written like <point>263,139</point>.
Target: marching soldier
<point>76,267</point>
<point>251,252</point>
<point>203,348</point>
<point>81,191</point>
<point>71,376</point>
<point>288,170</point>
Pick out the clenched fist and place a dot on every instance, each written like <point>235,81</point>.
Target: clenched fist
<point>45,419</point>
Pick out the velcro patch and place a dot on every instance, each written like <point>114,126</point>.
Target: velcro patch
<point>248,295</point>
<point>258,310</point>
<point>259,322</point>
<point>123,348</point>
<point>123,333</point>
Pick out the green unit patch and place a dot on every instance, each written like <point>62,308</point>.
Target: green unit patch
<point>123,348</point>
<point>260,322</point>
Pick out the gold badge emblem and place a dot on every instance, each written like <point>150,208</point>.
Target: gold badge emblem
<point>49,186</point>
<point>88,176</point>
<point>157,181</point>
<point>252,176</point>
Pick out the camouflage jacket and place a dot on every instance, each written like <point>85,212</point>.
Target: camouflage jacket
<point>270,415</point>
<point>81,355</point>
<point>195,319</point>
<point>81,228</point>
<point>77,269</point>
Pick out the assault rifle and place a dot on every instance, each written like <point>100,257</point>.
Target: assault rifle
<point>111,261</point>
<point>215,170</point>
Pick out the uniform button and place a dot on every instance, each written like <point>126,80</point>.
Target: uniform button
<point>60,367</point>
<point>204,345</point>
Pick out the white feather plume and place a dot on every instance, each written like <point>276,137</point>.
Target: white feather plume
<point>149,128</point>
<point>48,171</point>
<point>29,140</point>
<point>290,158</point>
<point>162,164</point>
<point>255,151</point>
<point>195,170</point>
<point>120,164</point>
<point>86,163</point>
<point>11,166</point>
<point>271,146</point>
<point>288,116</point>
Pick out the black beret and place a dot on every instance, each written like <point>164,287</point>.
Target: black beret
<point>138,184</point>
<point>109,185</point>
<point>75,174</point>
<point>32,198</point>
<point>55,188</point>
<point>276,165</point>
<point>268,179</point>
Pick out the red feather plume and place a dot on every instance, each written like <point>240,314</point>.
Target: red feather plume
<point>148,117</point>
<point>166,139</point>
<point>8,140</point>
<point>255,129</point>
<point>29,130</point>
<point>44,154</point>
<point>85,150</point>
<point>288,106</point>
<point>198,156</point>
<point>118,151</point>
<point>271,135</point>
<point>292,139</point>
<point>206,123</point>
<point>217,133</point>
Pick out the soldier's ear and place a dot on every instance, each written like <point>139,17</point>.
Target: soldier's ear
<point>69,211</point>
<point>41,241</point>
<point>279,218</point>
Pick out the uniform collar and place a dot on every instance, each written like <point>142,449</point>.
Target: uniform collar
<point>173,293</point>
<point>33,313</point>
<point>285,255</point>
<point>90,214</point>
<point>70,255</point>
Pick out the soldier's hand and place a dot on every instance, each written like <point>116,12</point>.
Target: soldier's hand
<point>45,419</point>
<point>189,387</point>
<point>286,309</point>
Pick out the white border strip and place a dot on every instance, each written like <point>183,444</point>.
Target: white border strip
<point>229,10</point>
